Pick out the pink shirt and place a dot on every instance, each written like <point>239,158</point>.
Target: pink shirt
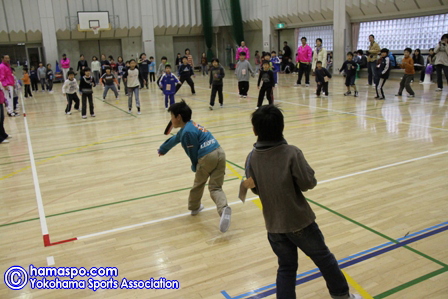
<point>305,54</point>
<point>65,63</point>
<point>6,76</point>
<point>241,49</point>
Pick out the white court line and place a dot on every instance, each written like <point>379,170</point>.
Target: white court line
<point>40,205</point>
<point>256,197</point>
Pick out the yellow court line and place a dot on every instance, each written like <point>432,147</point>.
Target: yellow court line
<point>257,202</point>
<point>356,286</point>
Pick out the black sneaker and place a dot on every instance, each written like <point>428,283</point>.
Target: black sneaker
<point>347,93</point>
<point>377,97</point>
<point>356,94</point>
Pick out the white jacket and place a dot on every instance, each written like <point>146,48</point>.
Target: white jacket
<point>322,56</point>
<point>441,54</point>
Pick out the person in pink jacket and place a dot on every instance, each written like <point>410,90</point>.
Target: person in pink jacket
<point>243,48</point>
<point>304,57</point>
<point>65,64</point>
<point>7,80</point>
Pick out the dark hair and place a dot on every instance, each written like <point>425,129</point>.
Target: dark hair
<point>419,52</point>
<point>187,50</point>
<point>408,50</point>
<point>303,38</point>
<point>87,69</point>
<point>267,54</point>
<point>70,73</point>
<point>64,55</point>
<point>268,123</point>
<point>431,49</point>
<point>243,54</point>
<point>167,66</point>
<point>82,55</point>
<point>372,36</point>
<point>94,57</point>
<point>151,57</point>
<point>215,59</point>
<point>111,57</point>
<point>178,53</point>
<point>164,58</point>
<point>184,57</point>
<point>48,64</point>
<point>3,56</point>
<point>266,62</point>
<point>181,108</point>
<point>319,62</point>
<point>273,52</point>
<point>142,55</point>
<point>444,36</point>
<point>350,53</point>
<point>384,50</point>
<point>118,58</point>
<point>319,39</point>
<point>13,69</point>
<point>107,68</point>
<point>360,52</point>
<point>25,70</point>
<point>132,60</point>
<point>285,42</point>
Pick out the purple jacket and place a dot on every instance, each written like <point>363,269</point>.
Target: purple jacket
<point>65,64</point>
<point>6,76</point>
<point>241,49</point>
<point>305,54</point>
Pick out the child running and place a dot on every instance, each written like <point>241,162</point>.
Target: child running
<point>267,76</point>
<point>109,81</point>
<point>216,82</point>
<point>49,78</point>
<point>132,78</point>
<point>85,85</point>
<point>27,84</point>
<point>69,89</point>
<point>408,65</point>
<point>185,73</point>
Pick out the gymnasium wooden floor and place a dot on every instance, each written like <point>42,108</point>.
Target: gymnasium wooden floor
<point>381,167</point>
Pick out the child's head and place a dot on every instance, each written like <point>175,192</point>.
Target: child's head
<point>407,52</point>
<point>319,64</point>
<point>94,58</point>
<point>41,64</point>
<point>71,75</point>
<point>242,56</point>
<point>267,56</point>
<point>215,62</point>
<point>431,51</point>
<point>349,56</point>
<point>81,57</point>
<point>87,72</point>
<point>444,38</point>
<point>128,63</point>
<point>273,54</point>
<point>111,57</point>
<point>151,59</point>
<point>64,56</point>
<point>168,69</point>
<point>184,60</point>
<point>120,59</point>
<point>178,55</point>
<point>33,68</point>
<point>25,71</point>
<point>187,51</point>
<point>360,52</point>
<point>180,113</point>
<point>384,52</point>
<point>112,60</point>
<point>266,65</point>
<point>256,52</point>
<point>203,55</point>
<point>132,63</point>
<point>49,66</point>
<point>103,57</point>
<point>268,124</point>
<point>164,59</point>
<point>143,56</point>
<point>108,70</point>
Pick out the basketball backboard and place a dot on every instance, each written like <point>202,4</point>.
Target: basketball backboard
<point>93,21</point>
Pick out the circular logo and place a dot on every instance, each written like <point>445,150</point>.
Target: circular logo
<point>16,278</point>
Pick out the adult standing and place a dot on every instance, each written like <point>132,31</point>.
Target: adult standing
<point>287,53</point>
<point>441,61</point>
<point>65,64</point>
<point>319,54</point>
<point>82,64</point>
<point>372,57</point>
<point>7,81</point>
<point>304,56</point>
<point>3,135</point>
<point>243,48</point>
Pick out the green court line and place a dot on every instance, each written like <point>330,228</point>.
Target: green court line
<point>236,165</point>
<point>116,107</point>
<point>106,204</point>
<point>410,283</point>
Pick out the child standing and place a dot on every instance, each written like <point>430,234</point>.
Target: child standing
<point>27,83</point>
<point>267,76</point>
<point>132,78</point>
<point>279,174</point>
<point>69,89</point>
<point>168,84</point>
<point>49,77</point>
<point>408,65</point>
<point>382,70</point>
<point>34,79</point>
<point>86,84</point>
<point>42,75</point>
<point>95,66</point>
<point>109,81</point>
<point>276,62</point>
<point>204,64</point>
<point>242,72</point>
<point>257,61</point>
<point>161,69</point>
<point>322,78</point>
<point>349,67</point>
<point>216,82</point>
<point>152,70</point>
<point>120,70</point>
<point>143,64</point>
<point>185,73</point>
<point>208,160</point>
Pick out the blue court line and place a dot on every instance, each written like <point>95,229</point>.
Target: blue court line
<point>350,260</point>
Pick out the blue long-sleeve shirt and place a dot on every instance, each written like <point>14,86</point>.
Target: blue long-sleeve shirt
<point>196,141</point>
<point>276,62</point>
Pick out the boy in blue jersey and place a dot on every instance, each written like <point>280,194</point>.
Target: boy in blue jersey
<point>208,160</point>
<point>152,70</point>
<point>168,84</point>
<point>276,65</point>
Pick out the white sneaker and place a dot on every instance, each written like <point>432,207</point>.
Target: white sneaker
<point>355,296</point>
<point>139,112</point>
<point>104,99</point>
<point>5,141</point>
<point>224,223</point>
<point>438,89</point>
<point>195,212</point>
<point>92,115</point>
<point>221,106</point>
<point>130,111</point>
<point>297,85</point>
<point>9,136</point>
<point>84,116</point>
<point>244,96</point>
<point>68,113</point>
<point>307,85</point>
<point>210,107</point>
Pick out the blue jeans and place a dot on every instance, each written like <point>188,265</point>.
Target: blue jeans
<point>311,241</point>
<point>106,89</point>
<point>372,72</point>
<point>131,91</point>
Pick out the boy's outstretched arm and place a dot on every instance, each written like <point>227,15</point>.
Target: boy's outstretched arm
<point>168,145</point>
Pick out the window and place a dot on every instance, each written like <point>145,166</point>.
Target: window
<point>420,32</point>
<point>312,33</point>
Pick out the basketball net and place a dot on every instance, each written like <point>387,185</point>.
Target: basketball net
<point>95,30</point>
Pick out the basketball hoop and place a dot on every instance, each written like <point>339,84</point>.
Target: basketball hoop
<point>95,29</point>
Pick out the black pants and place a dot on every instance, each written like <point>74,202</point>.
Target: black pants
<point>3,134</point>
<point>28,90</point>
<point>15,102</point>
<point>34,83</point>
<point>70,99</point>
<point>439,69</point>
<point>189,81</point>
<point>304,68</point>
<point>217,89</point>
<point>84,97</point>
<point>49,85</point>
<point>243,87</point>
<point>43,83</point>
<point>406,83</point>
<point>265,90</point>
<point>152,77</point>
<point>379,87</point>
<point>322,86</point>
<point>144,77</point>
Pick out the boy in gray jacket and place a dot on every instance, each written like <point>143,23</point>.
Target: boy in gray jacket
<point>279,173</point>
<point>42,75</point>
<point>243,68</point>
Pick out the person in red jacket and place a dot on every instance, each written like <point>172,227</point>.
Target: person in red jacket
<point>65,64</point>
<point>304,56</point>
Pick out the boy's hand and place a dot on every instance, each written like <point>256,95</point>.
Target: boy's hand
<point>160,154</point>
<point>144,82</point>
<point>210,86</point>
<point>258,87</point>
<point>249,183</point>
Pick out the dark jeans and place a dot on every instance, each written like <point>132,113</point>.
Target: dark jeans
<point>144,77</point>
<point>439,69</point>
<point>70,99</point>
<point>3,134</point>
<point>34,83</point>
<point>15,102</point>
<point>152,77</point>
<point>265,90</point>
<point>96,76</point>
<point>311,241</point>
<point>372,72</point>
<point>406,83</point>
<point>84,98</point>
<point>189,81</point>
<point>243,87</point>
<point>322,86</point>
<point>170,98</point>
<point>304,68</point>
<point>49,85</point>
<point>218,89</point>
<point>28,90</point>
<point>43,83</point>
